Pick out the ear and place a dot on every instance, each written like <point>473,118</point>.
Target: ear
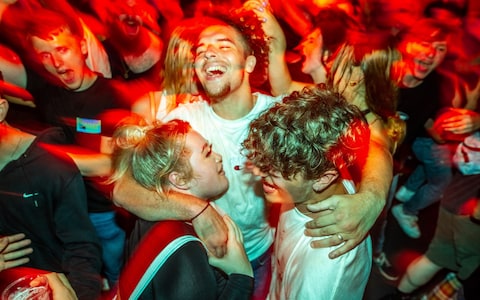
<point>177,180</point>
<point>250,63</point>
<point>325,180</point>
<point>3,109</point>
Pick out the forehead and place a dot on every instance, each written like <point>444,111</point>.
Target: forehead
<point>219,32</point>
<point>194,141</point>
<point>56,39</point>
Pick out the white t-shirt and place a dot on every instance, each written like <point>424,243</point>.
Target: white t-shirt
<point>244,201</point>
<point>302,272</point>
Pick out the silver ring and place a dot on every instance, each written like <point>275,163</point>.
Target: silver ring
<point>340,237</point>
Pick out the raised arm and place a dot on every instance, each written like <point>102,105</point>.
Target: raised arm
<point>149,205</point>
<point>279,76</point>
<point>349,218</point>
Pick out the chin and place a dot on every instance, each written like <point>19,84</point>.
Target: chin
<point>272,198</point>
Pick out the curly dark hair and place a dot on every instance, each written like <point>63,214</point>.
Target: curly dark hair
<point>308,133</point>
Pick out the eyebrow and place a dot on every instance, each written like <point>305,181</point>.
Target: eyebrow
<point>223,39</point>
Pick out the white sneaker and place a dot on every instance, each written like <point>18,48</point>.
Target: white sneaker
<point>408,223</point>
<point>403,194</point>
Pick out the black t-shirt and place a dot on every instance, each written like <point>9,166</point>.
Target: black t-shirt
<point>82,116</point>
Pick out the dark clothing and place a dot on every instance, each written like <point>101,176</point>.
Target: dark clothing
<point>43,196</point>
<point>121,70</point>
<point>420,103</point>
<point>83,117</point>
<point>186,273</point>
<point>461,194</point>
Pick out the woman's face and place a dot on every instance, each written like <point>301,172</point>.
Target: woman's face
<point>350,84</point>
<point>209,179</point>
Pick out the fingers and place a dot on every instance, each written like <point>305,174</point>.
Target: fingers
<point>217,251</point>
<point>328,204</point>
<point>12,246</point>
<point>15,237</point>
<point>335,241</point>
<point>347,246</point>
<point>16,262</point>
<point>234,229</point>
<point>328,219</point>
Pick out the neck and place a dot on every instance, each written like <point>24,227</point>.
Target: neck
<point>411,81</point>
<point>235,105</point>
<point>88,80</point>
<point>13,144</point>
<point>318,76</point>
<point>334,189</point>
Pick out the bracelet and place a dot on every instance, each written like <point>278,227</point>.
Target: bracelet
<point>204,209</point>
<point>474,220</point>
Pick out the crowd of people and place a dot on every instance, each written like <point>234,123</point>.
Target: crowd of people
<point>235,149</point>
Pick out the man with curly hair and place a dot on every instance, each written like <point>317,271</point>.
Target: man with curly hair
<point>307,148</point>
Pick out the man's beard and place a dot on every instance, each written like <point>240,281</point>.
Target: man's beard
<point>217,95</point>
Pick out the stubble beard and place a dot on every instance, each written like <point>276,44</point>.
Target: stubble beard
<point>217,95</point>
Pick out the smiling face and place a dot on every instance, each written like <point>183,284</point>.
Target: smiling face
<point>63,56</point>
<point>277,189</point>
<point>422,57</point>
<point>221,63</point>
<point>209,179</point>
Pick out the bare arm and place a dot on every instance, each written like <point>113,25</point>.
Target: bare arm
<point>353,216</point>
<point>279,76</point>
<point>149,205</point>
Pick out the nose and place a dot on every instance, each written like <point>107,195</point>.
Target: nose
<point>210,52</point>
<point>56,61</point>
<point>257,172</point>
<point>430,51</point>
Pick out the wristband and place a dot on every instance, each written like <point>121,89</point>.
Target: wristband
<point>204,209</point>
<point>474,220</point>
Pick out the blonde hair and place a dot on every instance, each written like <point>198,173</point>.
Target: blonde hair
<point>150,153</point>
<point>178,69</point>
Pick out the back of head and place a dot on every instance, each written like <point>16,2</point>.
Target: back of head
<point>308,133</point>
<point>374,53</point>
<point>150,153</point>
<point>178,70</point>
<point>447,11</point>
<point>335,25</point>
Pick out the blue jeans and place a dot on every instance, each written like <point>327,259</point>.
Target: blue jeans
<point>112,238</point>
<point>379,228</point>
<point>262,274</point>
<point>432,175</point>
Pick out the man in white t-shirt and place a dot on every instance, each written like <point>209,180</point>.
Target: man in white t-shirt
<point>306,149</point>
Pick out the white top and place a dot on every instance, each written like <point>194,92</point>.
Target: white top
<point>244,201</point>
<point>302,272</point>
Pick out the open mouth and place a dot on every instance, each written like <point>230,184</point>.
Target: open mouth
<point>268,188</point>
<point>213,71</point>
<point>131,24</point>
<point>423,66</point>
<point>66,76</point>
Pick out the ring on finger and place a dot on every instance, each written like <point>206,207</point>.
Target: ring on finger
<point>340,237</point>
